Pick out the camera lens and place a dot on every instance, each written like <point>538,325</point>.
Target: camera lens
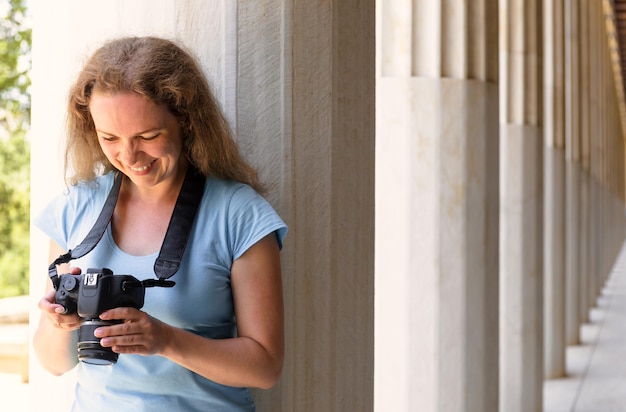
<point>89,348</point>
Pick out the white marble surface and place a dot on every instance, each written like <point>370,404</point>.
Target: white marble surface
<point>554,262</point>
<point>521,268</point>
<point>435,239</point>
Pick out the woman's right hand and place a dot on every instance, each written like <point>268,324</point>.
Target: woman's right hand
<point>55,313</point>
<point>53,340</point>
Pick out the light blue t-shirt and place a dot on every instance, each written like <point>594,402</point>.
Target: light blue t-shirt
<point>232,217</point>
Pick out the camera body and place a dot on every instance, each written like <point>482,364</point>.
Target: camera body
<point>91,293</point>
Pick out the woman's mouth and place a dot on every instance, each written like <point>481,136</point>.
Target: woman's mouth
<point>142,168</point>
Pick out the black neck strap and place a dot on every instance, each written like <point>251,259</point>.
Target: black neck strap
<point>176,236</point>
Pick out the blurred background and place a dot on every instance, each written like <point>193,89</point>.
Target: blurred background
<point>15,60</point>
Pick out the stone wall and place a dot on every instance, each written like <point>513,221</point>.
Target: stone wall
<point>296,79</point>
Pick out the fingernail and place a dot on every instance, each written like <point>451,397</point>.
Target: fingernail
<point>97,333</point>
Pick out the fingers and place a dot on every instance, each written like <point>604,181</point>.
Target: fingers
<point>122,314</point>
<point>46,303</point>
<point>55,313</point>
<point>139,333</point>
<point>64,322</point>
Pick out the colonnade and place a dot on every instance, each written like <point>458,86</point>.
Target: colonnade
<point>511,220</point>
<point>584,157</point>
<point>496,178</point>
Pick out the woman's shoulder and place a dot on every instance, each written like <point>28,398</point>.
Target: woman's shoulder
<point>216,183</point>
<point>231,198</point>
<point>68,216</point>
<point>228,189</point>
<point>247,215</point>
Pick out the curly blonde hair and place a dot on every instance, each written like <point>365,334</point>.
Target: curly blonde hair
<point>165,73</point>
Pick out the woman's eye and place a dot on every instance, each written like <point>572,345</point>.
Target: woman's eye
<point>150,137</point>
<point>107,138</point>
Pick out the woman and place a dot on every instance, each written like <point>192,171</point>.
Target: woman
<point>141,106</point>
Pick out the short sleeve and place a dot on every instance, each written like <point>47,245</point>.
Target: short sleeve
<point>250,219</point>
<point>68,218</point>
<point>52,220</point>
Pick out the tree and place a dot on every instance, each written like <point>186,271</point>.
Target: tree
<point>15,46</point>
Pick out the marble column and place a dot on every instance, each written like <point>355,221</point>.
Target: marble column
<point>554,188</point>
<point>573,170</point>
<point>554,262</point>
<point>597,131</point>
<point>327,160</point>
<point>521,232</point>
<point>437,207</point>
<point>584,245</point>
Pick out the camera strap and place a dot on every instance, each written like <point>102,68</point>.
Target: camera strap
<point>176,236</point>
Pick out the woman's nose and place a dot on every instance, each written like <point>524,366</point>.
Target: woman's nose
<point>128,151</point>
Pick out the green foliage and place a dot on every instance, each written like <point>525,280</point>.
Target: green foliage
<point>15,44</point>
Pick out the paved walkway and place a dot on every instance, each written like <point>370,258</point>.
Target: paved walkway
<point>596,369</point>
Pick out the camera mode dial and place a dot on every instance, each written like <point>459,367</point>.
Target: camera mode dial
<point>70,284</point>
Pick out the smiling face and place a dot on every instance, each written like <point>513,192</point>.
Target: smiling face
<point>139,138</point>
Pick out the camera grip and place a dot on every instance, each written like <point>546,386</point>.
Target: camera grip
<point>66,294</point>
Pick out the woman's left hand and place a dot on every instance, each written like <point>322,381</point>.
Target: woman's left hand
<point>139,333</point>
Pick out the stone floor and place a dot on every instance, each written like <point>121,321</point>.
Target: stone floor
<point>596,369</point>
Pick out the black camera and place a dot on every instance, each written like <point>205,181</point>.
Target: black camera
<point>89,294</point>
